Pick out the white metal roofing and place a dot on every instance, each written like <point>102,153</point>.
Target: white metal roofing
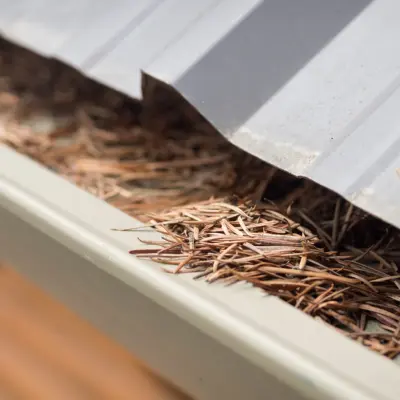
<point>311,86</point>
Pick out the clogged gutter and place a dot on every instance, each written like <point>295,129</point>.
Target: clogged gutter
<point>174,172</point>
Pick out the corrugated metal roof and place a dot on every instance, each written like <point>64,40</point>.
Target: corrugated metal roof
<point>310,86</point>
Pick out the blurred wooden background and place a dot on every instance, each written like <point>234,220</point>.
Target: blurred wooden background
<point>47,352</point>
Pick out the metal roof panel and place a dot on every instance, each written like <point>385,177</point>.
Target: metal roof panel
<point>121,67</point>
<point>310,86</point>
<point>242,72</point>
<point>203,34</point>
<point>47,24</point>
<point>11,11</point>
<point>100,29</point>
<point>335,120</point>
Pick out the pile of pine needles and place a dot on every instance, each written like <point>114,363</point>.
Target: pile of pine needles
<point>302,243</point>
<point>96,140</point>
<point>313,264</point>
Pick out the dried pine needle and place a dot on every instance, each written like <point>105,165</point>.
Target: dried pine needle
<point>336,287</point>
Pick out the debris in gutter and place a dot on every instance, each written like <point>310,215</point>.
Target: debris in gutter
<point>223,214</point>
<point>316,260</point>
